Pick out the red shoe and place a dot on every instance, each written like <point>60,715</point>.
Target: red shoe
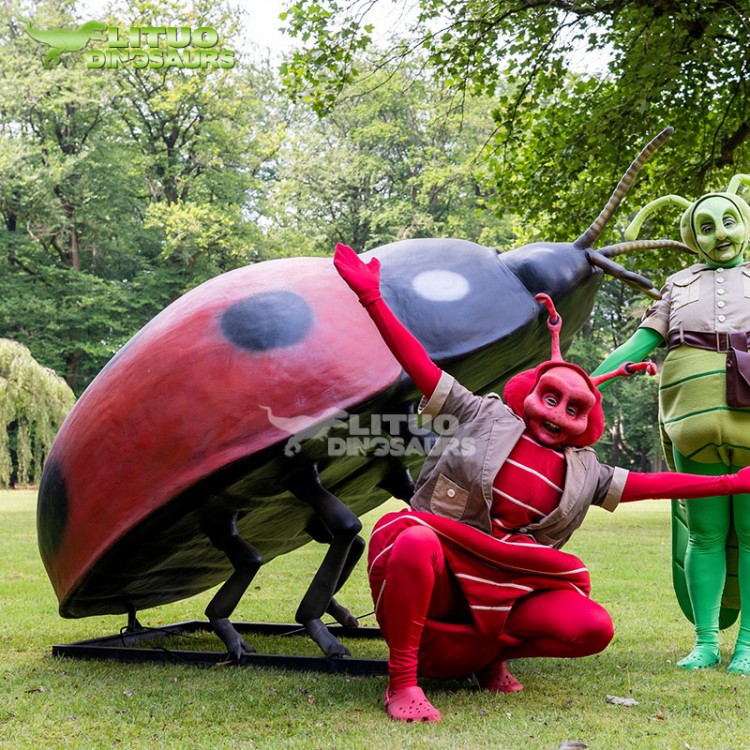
<point>496,678</point>
<point>410,705</point>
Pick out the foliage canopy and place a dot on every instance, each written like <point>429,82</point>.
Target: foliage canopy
<point>120,189</point>
<point>578,87</point>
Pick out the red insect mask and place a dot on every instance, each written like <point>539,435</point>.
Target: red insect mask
<point>559,401</point>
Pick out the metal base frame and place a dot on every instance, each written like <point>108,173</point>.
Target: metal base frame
<point>121,647</point>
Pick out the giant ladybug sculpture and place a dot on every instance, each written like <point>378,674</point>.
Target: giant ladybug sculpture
<point>205,447</point>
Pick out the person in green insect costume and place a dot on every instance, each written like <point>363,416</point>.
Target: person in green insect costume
<point>705,311</point>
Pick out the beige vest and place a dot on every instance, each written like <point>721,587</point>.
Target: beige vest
<point>477,433</point>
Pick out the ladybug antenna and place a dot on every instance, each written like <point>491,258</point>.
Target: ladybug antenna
<point>603,258</point>
<point>587,239</point>
<point>612,251</point>
<point>554,323</point>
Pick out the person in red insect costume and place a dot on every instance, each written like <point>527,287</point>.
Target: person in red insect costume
<point>472,574</point>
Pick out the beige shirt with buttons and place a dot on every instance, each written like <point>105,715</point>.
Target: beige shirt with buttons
<point>704,299</point>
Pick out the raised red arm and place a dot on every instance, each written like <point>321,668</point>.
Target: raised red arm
<point>364,280</point>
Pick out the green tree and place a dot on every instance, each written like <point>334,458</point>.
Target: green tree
<point>49,121</point>
<point>60,215</point>
<point>74,322</point>
<point>198,141</point>
<point>565,131</point>
<point>120,189</point>
<point>396,160</point>
<point>33,403</point>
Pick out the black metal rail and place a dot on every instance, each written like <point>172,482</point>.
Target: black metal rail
<point>123,647</point>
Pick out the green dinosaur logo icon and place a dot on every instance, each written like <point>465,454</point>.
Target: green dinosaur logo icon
<point>66,40</point>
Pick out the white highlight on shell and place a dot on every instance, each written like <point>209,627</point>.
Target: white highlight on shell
<point>440,285</point>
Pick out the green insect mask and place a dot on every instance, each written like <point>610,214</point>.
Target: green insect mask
<point>716,226</point>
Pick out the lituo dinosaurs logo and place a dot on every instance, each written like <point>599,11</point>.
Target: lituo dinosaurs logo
<point>141,47</point>
<point>65,40</point>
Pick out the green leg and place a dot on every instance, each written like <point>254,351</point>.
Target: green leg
<point>705,563</point>
<point>741,509</point>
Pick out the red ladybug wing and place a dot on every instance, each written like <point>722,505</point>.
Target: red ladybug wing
<point>229,369</point>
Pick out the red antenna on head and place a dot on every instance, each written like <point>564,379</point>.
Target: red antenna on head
<point>625,370</point>
<point>554,323</point>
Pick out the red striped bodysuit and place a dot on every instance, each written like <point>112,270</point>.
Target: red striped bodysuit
<point>422,609</point>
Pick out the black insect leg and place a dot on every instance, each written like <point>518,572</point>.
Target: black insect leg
<point>319,532</point>
<point>343,552</point>
<point>338,611</point>
<point>221,529</point>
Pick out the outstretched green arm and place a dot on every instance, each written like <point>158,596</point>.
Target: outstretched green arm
<point>638,346</point>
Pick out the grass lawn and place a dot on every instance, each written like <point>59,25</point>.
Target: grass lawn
<point>51,703</point>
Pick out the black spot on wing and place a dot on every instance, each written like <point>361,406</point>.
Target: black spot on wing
<point>496,304</point>
<point>268,320</point>
<point>52,510</point>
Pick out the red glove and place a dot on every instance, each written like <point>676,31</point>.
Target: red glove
<point>362,278</point>
<point>740,482</point>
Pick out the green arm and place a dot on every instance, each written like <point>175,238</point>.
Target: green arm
<point>638,346</point>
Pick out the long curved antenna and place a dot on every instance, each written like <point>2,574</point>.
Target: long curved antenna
<point>612,251</point>
<point>736,181</point>
<point>589,237</point>
<point>635,226</point>
<point>634,280</point>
